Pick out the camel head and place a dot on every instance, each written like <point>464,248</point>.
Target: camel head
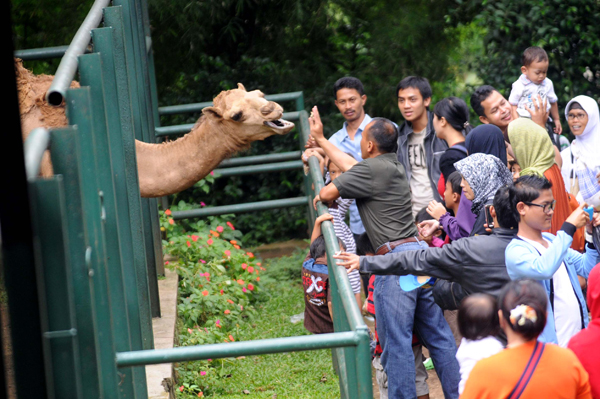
<point>248,114</point>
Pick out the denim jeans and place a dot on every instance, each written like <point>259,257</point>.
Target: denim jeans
<point>399,312</point>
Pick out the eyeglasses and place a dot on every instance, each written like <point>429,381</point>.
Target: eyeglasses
<point>545,207</point>
<point>580,117</point>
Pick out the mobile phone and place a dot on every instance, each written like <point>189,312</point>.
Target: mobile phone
<point>488,217</point>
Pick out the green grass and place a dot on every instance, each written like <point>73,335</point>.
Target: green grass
<point>285,375</point>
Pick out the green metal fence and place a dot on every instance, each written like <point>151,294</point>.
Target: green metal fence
<point>98,246</point>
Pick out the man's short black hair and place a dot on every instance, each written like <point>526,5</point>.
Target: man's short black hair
<point>385,134</point>
<point>527,189</point>
<point>533,54</point>
<point>478,316</point>
<point>363,245</point>
<point>479,96</point>
<point>503,207</point>
<point>317,247</point>
<point>455,179</point>
<point>416,82</point>
<point>348,82</point>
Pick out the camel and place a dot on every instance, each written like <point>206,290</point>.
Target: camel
<point>236,119</point>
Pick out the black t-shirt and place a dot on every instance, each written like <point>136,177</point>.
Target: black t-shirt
<point>450,156</point>
<point>382,195</point>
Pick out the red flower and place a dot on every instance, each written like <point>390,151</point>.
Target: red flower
<point>210,241</point>
<point>227,253</point>
<point>205,293</point>
<point>250,254</point>
<point>221,292</point>
<point>236,246</point>
<point>258,264</point>
<point>231,338</point>
<point>240,282</point>
<point>230,301</point>
<point>251,287</point>
<point>258,279</point>
<point>181,388</point>
<point>200,394</point>
<point>189,244</point>
<point>227,311</point>
<point>194,238</point>
<point>167,262</point>
<point>168,212</point>
<point>171,221</point>
<point>250,269</point>
<point>241,307</point>
<point>220,229</point>
<point>233,242</point>
<point>244,266</point>
<point>230,225</point>
<point>190,330</point>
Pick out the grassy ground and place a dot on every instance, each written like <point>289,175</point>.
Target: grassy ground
<point>285,375</point>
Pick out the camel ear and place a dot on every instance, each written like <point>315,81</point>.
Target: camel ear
<point>241,87</point>
<point>213,112</point>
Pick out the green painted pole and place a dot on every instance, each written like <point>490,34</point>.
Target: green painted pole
<point>66,161</point>
<point>249,348</point>
<point>252,170</point>
<point>240,208</point>
<point>261,159</point>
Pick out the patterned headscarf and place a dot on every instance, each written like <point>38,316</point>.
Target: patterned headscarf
<point>532,146</point>
<point>485,174</point>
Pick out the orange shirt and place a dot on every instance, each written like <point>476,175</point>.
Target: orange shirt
<point>558,375</point>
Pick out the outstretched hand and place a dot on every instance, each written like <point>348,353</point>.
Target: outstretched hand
<point>316,126</point>
<point>428,227</point>
<point>436,209</point>
<point>593,222</point>
<point>348,260</point>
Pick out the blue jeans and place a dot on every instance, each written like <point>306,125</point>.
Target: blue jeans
<point>399,312</point>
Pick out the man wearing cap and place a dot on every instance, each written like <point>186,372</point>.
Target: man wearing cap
<point>381,190</point>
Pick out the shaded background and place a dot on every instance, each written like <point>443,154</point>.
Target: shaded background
<point>203,47</point>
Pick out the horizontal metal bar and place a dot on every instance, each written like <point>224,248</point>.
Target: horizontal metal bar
<point>180,129</point>
<point>258,159</point>
<point>197,107</point>
<point>248,170</point>
<point>240,208</point>
<point>243,348</point>
<point>68,65</point>
<point>36,144</point>
<point>41,53</point>
<point>61,334</point>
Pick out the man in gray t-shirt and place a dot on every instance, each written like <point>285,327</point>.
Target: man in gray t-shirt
<point>382,194</point>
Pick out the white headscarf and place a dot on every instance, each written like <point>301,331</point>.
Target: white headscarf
<point>586,146</point>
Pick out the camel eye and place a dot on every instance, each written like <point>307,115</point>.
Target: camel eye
<point>237,117</point>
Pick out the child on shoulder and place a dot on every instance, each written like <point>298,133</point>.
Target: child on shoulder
<point>479,325</point>
<point>533,83</point>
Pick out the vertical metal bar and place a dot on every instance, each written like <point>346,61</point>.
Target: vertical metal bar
<point>104,43</point>
<point>138,73</point>
<point>65,161</point>
<point>303,133</point>
<point>79,109</point>
<point>363,364</point>
<point>50,227</point>
<point>113,17</point>
<point>91,74</point>
<point>18,261</point>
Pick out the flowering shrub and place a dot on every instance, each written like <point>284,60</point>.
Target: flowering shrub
<point>219,282</point>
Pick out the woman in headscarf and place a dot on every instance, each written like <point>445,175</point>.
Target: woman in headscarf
<point>582,159</point>
<point>534,152</point>
<point>483,175</point>
<point>487,139</point>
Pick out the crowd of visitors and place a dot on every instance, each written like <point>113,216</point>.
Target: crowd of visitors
<point>485,236</point>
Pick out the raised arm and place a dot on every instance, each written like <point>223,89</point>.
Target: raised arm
<point>337,156</point>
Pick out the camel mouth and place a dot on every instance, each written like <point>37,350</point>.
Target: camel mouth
<point>281,126</point>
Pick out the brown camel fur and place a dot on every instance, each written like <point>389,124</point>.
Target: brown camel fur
<point>237,118</point>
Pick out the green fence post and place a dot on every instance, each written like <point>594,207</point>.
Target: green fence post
<point>303,133</point>
<point>79,106</point>
<point>60,335</point>
<point>65,161</point>
<point>133,279</point>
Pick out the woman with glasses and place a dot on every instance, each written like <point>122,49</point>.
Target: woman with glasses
<point>535,154</point>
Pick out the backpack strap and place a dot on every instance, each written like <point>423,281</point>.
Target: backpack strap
<point>538,351</point>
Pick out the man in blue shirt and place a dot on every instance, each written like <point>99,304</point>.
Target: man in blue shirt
<point>350,99</point>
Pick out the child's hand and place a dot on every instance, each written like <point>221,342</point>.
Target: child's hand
<point>324,217</point>
<point>315,200</point>
<point>428,227</point>
<point>349,261</point>
<point>557,128</point>
<point>594,222</point>
<point>436,209</point>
